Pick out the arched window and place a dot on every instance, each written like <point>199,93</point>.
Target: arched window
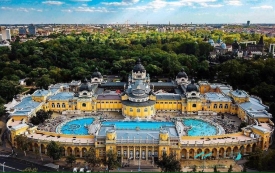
<point>83,104</point>
<point>226,106</point>
<point>131,109</point>
<point>138,110</point>
<point>215,106</point>
<point>58,105</point>
<point>194,105</point>
<point>145,109</point>
<point>84,94</point>
<point>53,105</point>
<point>63,105</point>
<point>220,106</point>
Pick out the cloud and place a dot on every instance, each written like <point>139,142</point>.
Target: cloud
<point>92,9</point>
<point>6,8</point>
<point>122,3</point>
<point>21,9</point>
<point>53,2</point>
<point>211,5</point>
<point>263,7</point>
<point>68,11</point>
<point>234,2</point>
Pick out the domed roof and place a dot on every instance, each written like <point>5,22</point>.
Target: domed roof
<point>223,46</point>
<point>85,86</point>
<point>138,67</point>
<point>96,74</point>
<point>219,41</point>
<point>191,87</point>
<point>182,74</point>
<point>210,41</point>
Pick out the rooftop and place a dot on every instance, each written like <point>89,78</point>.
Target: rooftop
<point>39,93</point>
<point>213,96</point>
<point>62,96</point>
<point>239,93</point>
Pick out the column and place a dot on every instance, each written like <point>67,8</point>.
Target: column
<point>45,150</point>
<point>39,149</point>
<point>66,153</point>
<point>33,148</point>
<point>80,152</point>
<point>224,154</point>
<point>140,153</point>
<point>187,154</point>
<point>134,153</point>
<point>128,152</point>
<point>73,151</point>
<point>250,150</point>
<point>231,154</point>
<point>146,153</point>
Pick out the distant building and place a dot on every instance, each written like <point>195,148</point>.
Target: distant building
<point>272,49</point>
<point>219,47</point>
<point>32,30</point>
<point>256,49</point>
<point>6,34</point>
<point>22,31</point>
<point>248,23</point>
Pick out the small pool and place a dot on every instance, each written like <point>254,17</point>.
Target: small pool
<point>77,127</point>
<point>199,128</point>
<point>140,124</point>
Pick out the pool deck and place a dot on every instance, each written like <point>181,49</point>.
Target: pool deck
<point>226,139</point>
<point>76,141</point>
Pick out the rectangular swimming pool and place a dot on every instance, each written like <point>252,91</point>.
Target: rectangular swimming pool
<point>138,124</point>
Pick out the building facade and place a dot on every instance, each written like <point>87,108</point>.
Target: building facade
<point>140,98</point>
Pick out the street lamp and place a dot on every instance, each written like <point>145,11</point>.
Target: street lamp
<point>4,166</point>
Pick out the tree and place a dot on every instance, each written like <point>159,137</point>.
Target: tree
<point>44,81</point>
<point>28,169</point>
<point>90,157</point>
<point>230,168</point>
<point>168,163</point>
<point>22,143</point>
<point>40,117</point>
<point>54,150</point>
<point>194,168</point>
<point>215,169</point>
<point>70,159</point>
<point>111,160</point>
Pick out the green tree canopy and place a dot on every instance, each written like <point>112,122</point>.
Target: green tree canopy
<point>169,163</point>
<point>54,150</point>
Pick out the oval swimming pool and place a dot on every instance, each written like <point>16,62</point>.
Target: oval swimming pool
<point>199,128</point>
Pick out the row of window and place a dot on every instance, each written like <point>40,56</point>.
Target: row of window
<point>110,102</point>
<point>131,152</point>
<point>168,102</point>
<point>138,109</point>
<point>58,105</point>
<point>221,106</point>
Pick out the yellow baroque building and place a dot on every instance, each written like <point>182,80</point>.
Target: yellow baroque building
<point>139,99</point>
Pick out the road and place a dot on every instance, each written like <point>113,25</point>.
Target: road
<point>17,165</point>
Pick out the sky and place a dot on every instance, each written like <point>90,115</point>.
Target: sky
<point>136,11</point>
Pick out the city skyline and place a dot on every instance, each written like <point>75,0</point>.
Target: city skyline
<point>136,11</point>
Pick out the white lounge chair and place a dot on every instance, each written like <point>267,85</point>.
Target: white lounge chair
<point>81,170</point>
<point>75,170</point>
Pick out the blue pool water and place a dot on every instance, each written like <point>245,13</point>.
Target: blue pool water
<point>199,128</point>
<point>77,127</point>
<point>140,124</point>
